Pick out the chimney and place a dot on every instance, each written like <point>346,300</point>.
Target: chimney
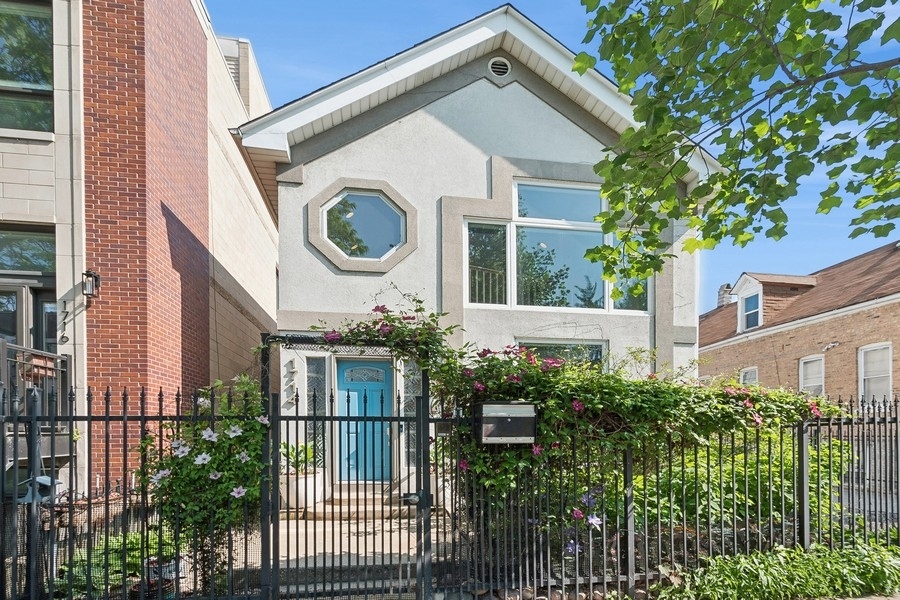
<point>725,296</point>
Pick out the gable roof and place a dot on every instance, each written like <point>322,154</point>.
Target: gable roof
<point>267,140</point>
<point>867,277</point>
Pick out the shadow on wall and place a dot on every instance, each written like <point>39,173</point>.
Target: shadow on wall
<point>190,259</point>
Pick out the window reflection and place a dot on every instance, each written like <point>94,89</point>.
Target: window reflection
<point>365,225</point>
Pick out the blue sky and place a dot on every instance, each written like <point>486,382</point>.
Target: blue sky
<point>304,45</point>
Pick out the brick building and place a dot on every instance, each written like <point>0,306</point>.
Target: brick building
<point>116,160</point>
<point>830,333</point>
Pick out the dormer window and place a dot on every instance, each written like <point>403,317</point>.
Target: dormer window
<point>750,311</point>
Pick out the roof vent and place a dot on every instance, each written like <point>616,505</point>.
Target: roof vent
<point>500,67</point>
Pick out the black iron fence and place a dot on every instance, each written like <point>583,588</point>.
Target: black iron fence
<point>366,497</point>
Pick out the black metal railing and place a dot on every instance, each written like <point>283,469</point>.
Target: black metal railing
<point>79,519</point>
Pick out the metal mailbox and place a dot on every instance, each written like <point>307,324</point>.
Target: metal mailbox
<point>505,422</point>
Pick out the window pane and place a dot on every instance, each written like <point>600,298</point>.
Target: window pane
<point>316,402</point>
<point>569,204</point>
<point>26,64</point>
<point>487,264</point>
<point>551,269</point>
<point>876,373</point>
<point>811,376</point>
<point>48,325</point>
<point>632,301</point>
<point>876,362</point>
<point>8,320</point>
<point>751,303</point>
<point>749,376</point>
<point>592,352</point>
<point>27,251</point>
<point>365,225</point>
<point>24,111</point>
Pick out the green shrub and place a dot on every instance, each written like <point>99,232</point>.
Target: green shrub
<point>788,574</point>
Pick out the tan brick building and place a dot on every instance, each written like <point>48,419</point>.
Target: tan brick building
<point>834,332</point>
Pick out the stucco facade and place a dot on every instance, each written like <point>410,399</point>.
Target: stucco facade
<point>453,136</point>
<point>456,165</point>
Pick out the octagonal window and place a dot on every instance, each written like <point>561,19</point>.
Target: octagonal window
<point>364,225</point>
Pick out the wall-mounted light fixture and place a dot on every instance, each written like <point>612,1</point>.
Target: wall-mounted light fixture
<point>90,284</point>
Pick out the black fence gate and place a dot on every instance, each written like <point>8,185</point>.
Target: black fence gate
<point>367,493</point>
<point>352,505</point>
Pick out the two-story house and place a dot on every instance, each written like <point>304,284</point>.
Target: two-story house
<point>831,333</point>
<point>460,170</point>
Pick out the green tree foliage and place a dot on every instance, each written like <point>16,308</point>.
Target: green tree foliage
<point>777,88</point>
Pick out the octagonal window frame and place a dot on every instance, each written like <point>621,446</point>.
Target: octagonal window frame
<point>334,193</point>
<point>396,217</point>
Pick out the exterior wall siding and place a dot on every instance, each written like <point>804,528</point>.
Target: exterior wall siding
<point>115,209</point>
<point>115,161</point>
<point>777,355</point>
<point>243,236</point>
<point>27,190</point>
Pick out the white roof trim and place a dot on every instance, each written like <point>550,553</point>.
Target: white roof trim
<point>292,117</point>
<point>277,131</point>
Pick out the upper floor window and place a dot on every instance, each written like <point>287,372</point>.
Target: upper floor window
<point>875,371</point>
<point>365,224</point>
<point>31,251</point>
<point>749,376</point>
<point>812,375</point>
<point>26,65</point>
<point>750,311</point>
<point>538,258</point>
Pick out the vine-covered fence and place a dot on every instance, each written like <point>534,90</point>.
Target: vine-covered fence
<point>83,516</point>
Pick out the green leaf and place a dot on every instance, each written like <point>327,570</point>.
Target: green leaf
<point>891,33</point>
<point>583,63</point>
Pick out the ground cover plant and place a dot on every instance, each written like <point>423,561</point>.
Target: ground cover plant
<point>789,574</point>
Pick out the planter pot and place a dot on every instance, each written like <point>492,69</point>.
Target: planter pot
<point>156,588</point>
<point>172,568</point>
<point>300,490</point>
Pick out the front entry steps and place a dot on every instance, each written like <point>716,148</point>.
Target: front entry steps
<point>362,501</point>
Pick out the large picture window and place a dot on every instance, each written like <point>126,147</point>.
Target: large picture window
<point>538,258</point>
<point>26,65</point>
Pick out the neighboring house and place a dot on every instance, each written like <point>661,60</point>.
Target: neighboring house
<point>834,332</point>
<point>461,171</point>
<point>116,160</point>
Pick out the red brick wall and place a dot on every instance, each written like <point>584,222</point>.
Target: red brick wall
<point>116,192</point>
<point>177,182</point>
<point>146,207</point>
<point>777,298</point>
<point>777,355</point>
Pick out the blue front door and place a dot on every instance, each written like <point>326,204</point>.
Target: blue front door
<point>364,390</point>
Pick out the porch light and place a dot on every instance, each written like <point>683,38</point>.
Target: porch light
<point>90,284</point>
